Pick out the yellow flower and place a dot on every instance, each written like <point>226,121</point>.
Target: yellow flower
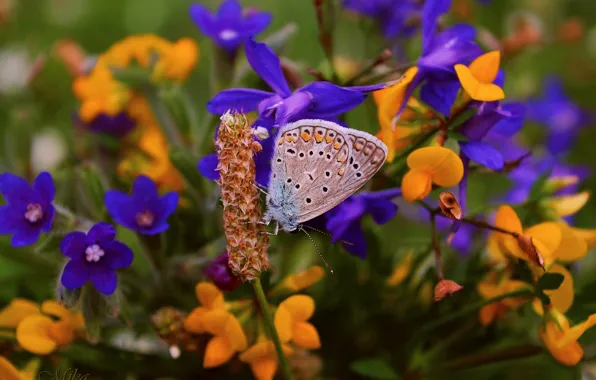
<point>263,359</point>
<point>401,270</point>
<point>427,165</point>
<point>42,335</point>
<point>228,337</point>
<point>477,79</point>
<point>16,311</point>
<point>10,372</point>
<point>553,240</point>
<point>291,323</point>
<point>213,318</point>
<point>489,288</point>
<point>99,94</point>
<point>565,205</point>
<point>561,339</point>
<point>210,298</point>
<point>388,101</point>
<point>299,281</point>
<point>179,60</point>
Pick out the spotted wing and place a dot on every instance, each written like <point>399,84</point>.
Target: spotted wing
<point>313,157</point>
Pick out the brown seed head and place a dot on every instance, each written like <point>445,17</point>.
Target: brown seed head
<point>446,288</point>
<point>169,324</point>
<point>528,247</point>
<point>449,205</point>
<point>247,242</point>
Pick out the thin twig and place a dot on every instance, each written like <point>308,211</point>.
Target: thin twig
<point>383,57</point>
<point>436,246</point>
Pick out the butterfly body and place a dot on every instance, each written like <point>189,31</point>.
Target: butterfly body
<point>316,165</point>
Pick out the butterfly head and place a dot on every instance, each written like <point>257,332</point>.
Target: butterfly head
<point>283,213</point>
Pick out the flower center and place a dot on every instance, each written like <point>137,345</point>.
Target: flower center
<point>94,253</point>
<point>228,34</point>
<point>34,213</point>
<point>145,218</point>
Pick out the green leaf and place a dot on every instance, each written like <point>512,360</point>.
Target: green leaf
<point>133,76</point>
<point>186,164</point>
<point>538,189</point>
<point>418,123</point>
<point>374,368</point>
<point>550,281</point>
<point>456,136</point>
<point>462,118</point>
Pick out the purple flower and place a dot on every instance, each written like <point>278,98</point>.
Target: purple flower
<point>393,15</point>
<point>343,221</point>
<point>220,273</point>
<point>94,256</point>
<point>29,209</point>
<point>144,210</point>
<point>117,126</point>
<point>440,52</point>
<point>317,100</point>
<point>229,28</point>
<point>562,117</point>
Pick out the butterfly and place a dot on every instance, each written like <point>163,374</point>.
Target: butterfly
<point>315,166</point>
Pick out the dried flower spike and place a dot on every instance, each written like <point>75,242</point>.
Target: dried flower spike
<point>247,242</point>
<point>449,205</point>
<point>446,288</point>
<point>527,246</point>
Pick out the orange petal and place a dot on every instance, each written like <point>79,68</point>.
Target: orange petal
<point>509,286</point>
<point>488,314</point>
<point>217,352</point>
<point>478,91</point>
<point>588,235</point>
<point>303,280</point>
<point>195,321</point>
<point>416,185</point>
<point>223,323</point>
<point>506,218</point>
<point>55,309</point>
<point>62,333</point>
<point>574,333</point>
<point>16,311</point>
<point>546,238</point>
<point>401,270</point>
<point>264,369</point>
<point>393,98</point>
<point>8,371</point>
<point>306,336</point>
<point>209,296</point>
<point>301,307</point>
<point>566,205</point>
<point>445,167</point>
<point>486,67</point>
<point>551,335</point>
<point>33,334</point>
<point>283,324</point>
<point>572,246</point>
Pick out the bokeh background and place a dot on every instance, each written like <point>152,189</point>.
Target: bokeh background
<point>359,322</point>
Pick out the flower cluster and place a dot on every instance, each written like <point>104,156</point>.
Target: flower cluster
<point>230,325</point>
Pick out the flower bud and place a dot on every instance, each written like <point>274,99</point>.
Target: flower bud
<point>220,273</point>
<point>446,288</point>
<point>527,246</point>
<point>261,133</point>
<point>169,324</point>
<point>449,205</point>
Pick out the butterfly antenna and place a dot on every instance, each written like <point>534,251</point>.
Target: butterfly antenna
<point>328,234</point>
<point>317,248</point>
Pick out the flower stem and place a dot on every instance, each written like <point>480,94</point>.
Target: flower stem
<point>436,246</point>
<point>264,305</point>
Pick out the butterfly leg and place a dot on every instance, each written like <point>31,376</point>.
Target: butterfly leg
<point>275,232</point>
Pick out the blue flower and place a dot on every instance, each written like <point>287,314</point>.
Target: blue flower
<point>94,256</point>
<point>29,209</point>
<point>393,15</point>
<point>117,126</point>
<point>228,28</point>
<point>220,273</point>
<point>144,210</point>
<point>344,220</point>
<point>317,100</point>
<point>562,117</point>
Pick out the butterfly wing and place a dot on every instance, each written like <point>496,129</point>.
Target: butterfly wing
<point>309,154</point>
<point>342,160</point>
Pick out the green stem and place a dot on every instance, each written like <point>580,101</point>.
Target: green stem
<point>164,118</point>
<point>525,293</point>
<point>264,305</point>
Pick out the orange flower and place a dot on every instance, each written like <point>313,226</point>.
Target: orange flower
<point>561,339</point>
<point>477,79</point>
<point>263,359</point>
<point>291,322</point>
<point>489,288</point>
